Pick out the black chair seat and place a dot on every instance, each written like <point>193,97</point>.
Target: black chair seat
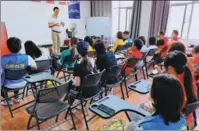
<point>70,71</point>
<point>114,84</point>
<point>47,110</point>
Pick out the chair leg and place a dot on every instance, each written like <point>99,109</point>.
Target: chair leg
<point>38,127</point>
<point>146,72</point>
<point>27,90</point>
<point>56,120</point>
<point>143,73</point>
<point>84,115</point>
<point>136,77</point>
<point>29,121</point>
<point>64,76</point>
<point>127,93</point>
<point>128,116</point>
<point>67,113</point>
<point>122,91</point>
<point>9,108</point>
<point>58,74</point>
<point>71,114</point>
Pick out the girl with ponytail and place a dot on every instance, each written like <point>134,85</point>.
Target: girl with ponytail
<point>176,64</point>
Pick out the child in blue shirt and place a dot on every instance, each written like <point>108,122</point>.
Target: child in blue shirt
<point>127,39</point>
<point>14,61</point>
<point>167,99</point>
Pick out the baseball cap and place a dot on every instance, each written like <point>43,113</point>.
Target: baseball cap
<point>82,48</point>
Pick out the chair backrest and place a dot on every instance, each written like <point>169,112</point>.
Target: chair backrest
<point>44,65</point>
<point>15,74</point>
<point>112,74</point>
<point>90,83</point>
<point>132,62</point>
<point>190,108</point>
<point>52,94</point>
<point>151,52</point>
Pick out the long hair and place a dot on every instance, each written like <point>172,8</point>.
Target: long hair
<point>89,41</point>
<point>178,60</point>
<point>166,92</point>
<point>32,49</point>
<point>73,42</point>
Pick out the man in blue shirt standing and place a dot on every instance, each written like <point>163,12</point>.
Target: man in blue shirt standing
<point>14,61</point>
<point>127,40</point>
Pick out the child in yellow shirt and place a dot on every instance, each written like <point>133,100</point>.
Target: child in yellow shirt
<point>118,42</point>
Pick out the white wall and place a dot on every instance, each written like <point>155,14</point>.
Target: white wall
<point>29,20</point>
<point>145,17</point>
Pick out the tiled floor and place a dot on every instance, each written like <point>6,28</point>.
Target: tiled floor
<point>20,120</point>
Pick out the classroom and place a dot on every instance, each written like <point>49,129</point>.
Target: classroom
<point>99,65</point>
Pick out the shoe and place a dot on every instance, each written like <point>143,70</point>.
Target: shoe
<point>16,100</point>
<point>5,103</point>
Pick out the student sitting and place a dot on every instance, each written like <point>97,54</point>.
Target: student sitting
<point>152,43</point>
<point>35,52</point>
<point>196,59</point>
<point>118,43</point>
<point>127,40</point>
<point>14,61</point>
<point>167,99</point>
<point>144,47</point>
<point>161,36</point>
<point>90,43</point>
<point>174,37</point>
<point>134,52</point>
<point>104,60</point>
<point>180,47</point>
<point>176,64</point>
<point>70,53</point>
<point>83,67</point>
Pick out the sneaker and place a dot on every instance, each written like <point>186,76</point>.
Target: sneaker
<point>4,103</point>
<point>16,100</point>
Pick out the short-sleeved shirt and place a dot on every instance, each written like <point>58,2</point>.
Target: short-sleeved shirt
<point>80,70</point>
<point>157,123</point>
<point>45,55</point>
<point>64,54</point>
<point>15,61</point>
<point>54,20</point>
<point>105,61</point>
<point>118,42</point>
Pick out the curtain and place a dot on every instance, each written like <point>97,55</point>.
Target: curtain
<point>101,8</point>
<point>135,19</point>
<point>159,16</point>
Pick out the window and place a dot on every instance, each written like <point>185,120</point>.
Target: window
<point>183,16</point>
<point>121,15</point>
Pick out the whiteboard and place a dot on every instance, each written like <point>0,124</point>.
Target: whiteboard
<point>99,26</point>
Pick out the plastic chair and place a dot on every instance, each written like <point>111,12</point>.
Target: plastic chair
<point>113,77</point>
<point>14,75</point>
<point>191,108</point>
<point>150,53</point>
<point>42,66</point>
<point>48,104</point>
<point>89,89</point>
<point>69,61</point>
<point>132,64</point>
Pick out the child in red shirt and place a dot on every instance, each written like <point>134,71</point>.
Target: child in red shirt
<point>133,52</point>
<point>195,60</point>
<point>174,36</point>
<point>161,36</point>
